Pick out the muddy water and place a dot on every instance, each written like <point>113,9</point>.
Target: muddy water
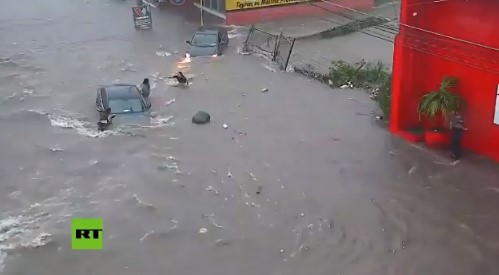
<point>303,180</point>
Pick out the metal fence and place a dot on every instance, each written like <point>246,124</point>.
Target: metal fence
<point>275,47</point>
<point>261,42</point>
<point>283,51</point>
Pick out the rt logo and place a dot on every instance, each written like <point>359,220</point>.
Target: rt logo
<point>87,234</point>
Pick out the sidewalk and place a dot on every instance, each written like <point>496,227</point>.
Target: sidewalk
<point>313,52</point>
<point>309,26</point>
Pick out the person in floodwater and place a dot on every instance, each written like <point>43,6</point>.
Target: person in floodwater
<point>145,88</point>
<point>105,116</point>
<point>105,119</point>
<point>180,77</point>
<point>457,129</point>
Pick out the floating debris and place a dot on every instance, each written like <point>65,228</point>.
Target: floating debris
<point>56,149</point>
<point>222,242</point>
<point>264,90</point>
<point>213,222</point>
<point>225,126</point>
<point>169,101</point>
<point>146,235</point>
<point>203,230</point>
<point>255,205</point>
<point>259,190</point>
<point>413,169</point>
<point>229,174</point>
<point>252,176</point>
<point>163,54</point>
<point>201,117</point>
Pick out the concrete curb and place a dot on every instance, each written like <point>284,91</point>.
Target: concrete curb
<point>345,29</point>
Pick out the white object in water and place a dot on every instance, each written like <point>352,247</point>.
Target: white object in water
<point>225,126</point>
<point>203,230</point>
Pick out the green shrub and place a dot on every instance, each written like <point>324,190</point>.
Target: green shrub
<point>371,77</point>
<point>341,72</point>
<point>384,97</point>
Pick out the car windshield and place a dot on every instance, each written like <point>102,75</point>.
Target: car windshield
<point>204,40</point>
<point>125,105</point>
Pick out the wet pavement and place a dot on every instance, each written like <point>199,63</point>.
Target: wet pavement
<point>303,180</point>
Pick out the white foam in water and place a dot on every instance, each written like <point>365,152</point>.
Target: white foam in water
<point>235,31</point>
<point>269,67</point>
<point>262,55</point>
<point>169,101</point>
<point>82,127</point>
<point>163,54</point>
<point>23,231</point>
<point>159,121</point>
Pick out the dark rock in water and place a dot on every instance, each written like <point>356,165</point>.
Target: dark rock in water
<point>201,118</point>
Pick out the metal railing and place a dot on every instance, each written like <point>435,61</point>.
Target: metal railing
<point>275,47</point>
<point>261,42</point>
<point>284,49</point>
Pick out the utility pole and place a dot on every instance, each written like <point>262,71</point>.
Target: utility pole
<point>201,2</point>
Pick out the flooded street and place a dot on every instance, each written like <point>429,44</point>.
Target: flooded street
<point>303,180</point>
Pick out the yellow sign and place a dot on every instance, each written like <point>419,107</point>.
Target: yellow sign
<point>234,5</point>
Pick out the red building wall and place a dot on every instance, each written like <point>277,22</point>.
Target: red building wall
<point>422,58</point>
<point>250,16</point>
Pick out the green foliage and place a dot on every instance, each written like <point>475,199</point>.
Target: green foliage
<point>442,101</point>
<point>341,72</point>
<point>384,97</point>
<point>360,75</point>
<point>372,77</point>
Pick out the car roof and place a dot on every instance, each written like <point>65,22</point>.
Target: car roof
<point>123,91</point>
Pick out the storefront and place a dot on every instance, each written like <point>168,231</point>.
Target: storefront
<point>216,6</point>
<point>449,38</point>
<point>245,12</point>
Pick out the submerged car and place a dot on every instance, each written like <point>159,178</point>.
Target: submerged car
<point>126,103</point>
<point>208,41</point>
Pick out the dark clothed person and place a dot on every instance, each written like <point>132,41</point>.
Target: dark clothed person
<point>105,116</point>
<point>457,129</point>
<point>145,88</point>
<point>180,77</point>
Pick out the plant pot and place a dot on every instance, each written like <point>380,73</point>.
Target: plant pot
<point>437,138</point>
<point>414,134</point>
<point>418,134</point>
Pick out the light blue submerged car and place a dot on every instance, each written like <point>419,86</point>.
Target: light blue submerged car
<point>208,41</point>
<point>127,105</point>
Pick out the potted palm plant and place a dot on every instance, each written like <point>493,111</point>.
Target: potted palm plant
<point>436,107</point>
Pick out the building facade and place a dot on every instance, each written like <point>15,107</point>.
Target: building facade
<point>242,12</point>
<point>246,12</point>
<point>456,38</point>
